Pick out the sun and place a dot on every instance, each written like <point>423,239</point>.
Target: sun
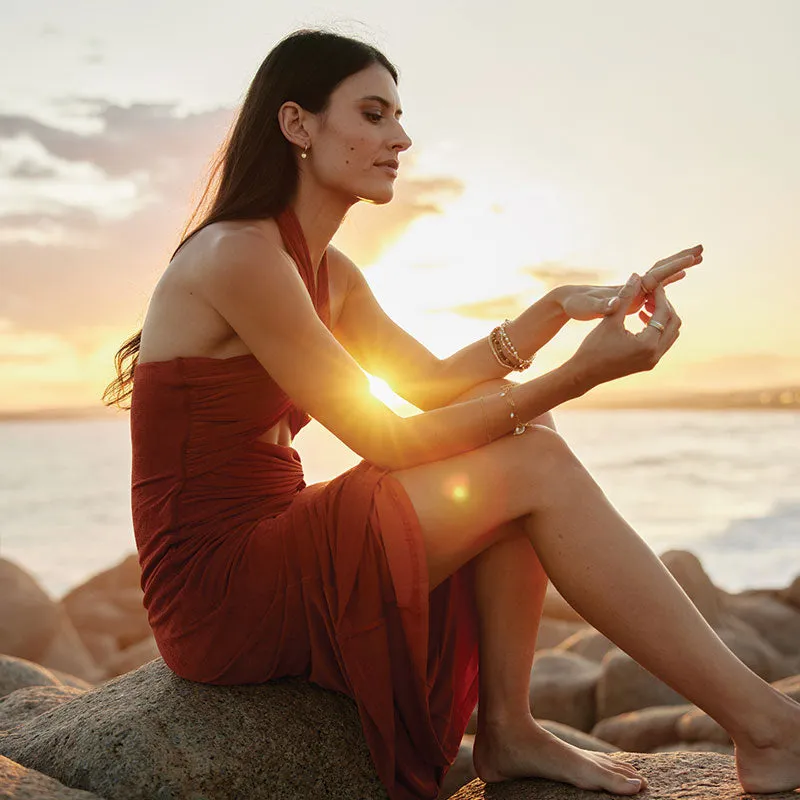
<point>383,392</point>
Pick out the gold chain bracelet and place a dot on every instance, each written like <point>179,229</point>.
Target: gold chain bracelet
<point>519,427</point>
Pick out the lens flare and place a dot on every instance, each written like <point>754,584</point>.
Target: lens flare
<point>457,487</point>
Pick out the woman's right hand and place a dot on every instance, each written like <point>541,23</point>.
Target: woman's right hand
<point>610,351</point>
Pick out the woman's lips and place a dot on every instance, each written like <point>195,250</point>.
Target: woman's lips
<point>391,170</point>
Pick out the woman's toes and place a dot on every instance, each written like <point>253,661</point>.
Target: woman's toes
<point>621,784</point>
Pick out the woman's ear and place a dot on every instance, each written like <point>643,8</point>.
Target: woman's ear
<point>292,118</point>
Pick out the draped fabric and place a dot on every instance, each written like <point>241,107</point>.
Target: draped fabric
<point>249,574</point>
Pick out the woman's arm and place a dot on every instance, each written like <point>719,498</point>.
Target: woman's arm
<point>385,350</point>
<point>255,286</point>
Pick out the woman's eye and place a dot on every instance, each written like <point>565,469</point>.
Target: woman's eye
<point>372,116</point>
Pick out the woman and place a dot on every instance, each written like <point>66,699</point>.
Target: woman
<point>396,580</point>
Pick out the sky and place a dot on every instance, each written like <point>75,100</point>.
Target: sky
<point>554,143</point>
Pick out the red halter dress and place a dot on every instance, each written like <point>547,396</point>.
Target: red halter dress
<point>249,574</point>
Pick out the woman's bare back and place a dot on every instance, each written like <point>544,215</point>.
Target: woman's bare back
<point>181,323</point>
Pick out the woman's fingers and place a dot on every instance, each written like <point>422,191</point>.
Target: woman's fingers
<point>659,274</point>
<point>657,324</point>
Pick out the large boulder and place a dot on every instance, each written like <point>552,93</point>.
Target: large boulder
<point>562,688</point>
<point>697,726</point>
<point>19,783</point>
<point>35,627</point>
<point>109,615</point>
<point>16,673</point>
<point>126,574</point>
<point>25,704</point>
<point>777,622</point>
<point>689,573</point>
<point>132,657</point>
<point>554,631</point>
<point>625,685</point>
<point>30,618</point>
<point>556,607</point>
<point>791,594</point>
<point>150,734</point>
<point>670,776</point>
<point>588,643</point>
<point>575,737</point>
<point>462,770</point>
<point>642,731</point>
<point>756,652</point>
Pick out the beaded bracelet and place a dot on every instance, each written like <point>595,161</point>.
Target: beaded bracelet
<point>519,427</point>
<point>523,363</point>
<point>497,350</point>
<point>504,351</point>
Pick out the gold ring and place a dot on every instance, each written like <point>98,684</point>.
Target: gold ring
<point>657,325</point>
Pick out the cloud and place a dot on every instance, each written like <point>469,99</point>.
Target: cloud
<point>554,273</point>
<point>65,263</point>
<point>129,139</point>
<point>369,230</point>
<point>494,308</point>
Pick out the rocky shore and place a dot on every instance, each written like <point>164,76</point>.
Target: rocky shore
<point>88,709</point>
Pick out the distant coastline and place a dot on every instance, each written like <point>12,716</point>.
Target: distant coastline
<point>786,398</point>
<point>783,398</point>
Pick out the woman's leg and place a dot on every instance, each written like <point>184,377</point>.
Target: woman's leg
<point>510,586</point>
<point>615,581</point>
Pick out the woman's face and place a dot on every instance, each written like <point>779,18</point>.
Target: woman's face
<point>352,141</point>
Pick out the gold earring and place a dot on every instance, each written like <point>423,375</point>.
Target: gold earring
<point>304,154</point>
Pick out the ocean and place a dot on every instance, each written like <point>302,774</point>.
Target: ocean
<point>722,484</point>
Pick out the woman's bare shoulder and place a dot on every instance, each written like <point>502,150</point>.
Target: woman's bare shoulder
<point>180,321</point>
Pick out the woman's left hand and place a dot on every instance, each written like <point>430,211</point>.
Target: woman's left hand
<point>593,302</point>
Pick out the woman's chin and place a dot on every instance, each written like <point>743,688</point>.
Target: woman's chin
<point>378,197</point>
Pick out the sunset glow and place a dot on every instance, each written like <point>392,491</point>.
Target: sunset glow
<point>576,151</point>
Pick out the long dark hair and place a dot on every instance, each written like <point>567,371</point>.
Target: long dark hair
<point>254,174</point>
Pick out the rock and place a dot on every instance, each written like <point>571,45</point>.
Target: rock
<point>554,631</point>
<point>670,776</point>
<point>71,680</point>
<point>562,688</point>
<point>95,613</point>
<point>36,628</point>
<point>19,783</point>
<point>757,653</point>
<point>67,652</point>
<point>789,686</point>
<point>625,685</point>
<point>642,731</point>
<point>697,726</point>
<point>556,607</point>
<point>16,673</point>
<point>30,618</point>
<point>777,622</point>
<point>133,657</point>
<point>791,594</point>
<point>697,747</point>
<point>151,735</point>
<point>461,772</point>
<point>576,737</point>
<point>124,575</point>
<point>24,704</point>
<point>588,643</point>
<point>101,646</point>
<point>689,573</point>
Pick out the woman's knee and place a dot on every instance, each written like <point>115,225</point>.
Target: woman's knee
<point>547,456</point>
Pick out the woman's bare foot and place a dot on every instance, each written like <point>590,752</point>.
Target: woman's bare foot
<point>769,761</point>
<point>526,750</point>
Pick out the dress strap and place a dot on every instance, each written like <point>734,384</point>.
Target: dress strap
<point>296,245</point>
